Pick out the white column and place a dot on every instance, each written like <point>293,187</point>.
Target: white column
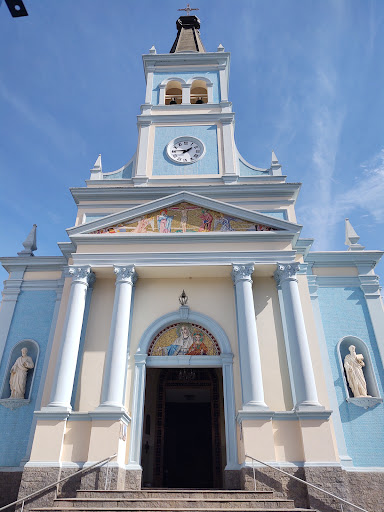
<point>229,413</point>
<point>300,357</point>
<point>112,395</point>
<point>186,94</point>
<point>230,171</point>
<point>210,93</point>
<point>142,151</point>
<point>223,83</point>
<point>250,364</point>
<point>66,365</point>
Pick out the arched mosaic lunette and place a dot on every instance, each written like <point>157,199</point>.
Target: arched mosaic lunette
<point>184,338</point>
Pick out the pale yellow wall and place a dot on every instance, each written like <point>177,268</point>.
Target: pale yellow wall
<point>48,441</point>
<point>105,441</point>
<point>288,441</point>
<point>277,388</point>
<point>95,345</point>
<point>39,276</point>
<point>56,342</point>
<point>335,271</point>
<point>258,440</point>
<point>157,297</point>
<point>318,441</point>
<point>76,441</point>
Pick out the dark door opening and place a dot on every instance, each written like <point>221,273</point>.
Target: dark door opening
<point>188,445</point>
<point>183,435</point>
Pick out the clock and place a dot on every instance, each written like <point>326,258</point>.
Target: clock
<point>185,150</point>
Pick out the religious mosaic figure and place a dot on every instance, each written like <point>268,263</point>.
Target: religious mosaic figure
<point>19,370</point>
<point>164,222</point>
<point>207,219</point>
<point>181,344</point>
<point>198,348</point>
<point>353,364</point>
<point>142,225</point>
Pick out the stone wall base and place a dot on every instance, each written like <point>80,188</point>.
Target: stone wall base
<point>364,489</point>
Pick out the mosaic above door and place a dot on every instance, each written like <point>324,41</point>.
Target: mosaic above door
<point>184,339</point>
<point>183,218</point>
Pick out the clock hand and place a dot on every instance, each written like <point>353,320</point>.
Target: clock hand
<point>186,150</point>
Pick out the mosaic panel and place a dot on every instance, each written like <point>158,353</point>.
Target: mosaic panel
<point>185,339</point>
<point>184,218</point>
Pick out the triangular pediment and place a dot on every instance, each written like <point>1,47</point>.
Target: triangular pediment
<point>183,212</point>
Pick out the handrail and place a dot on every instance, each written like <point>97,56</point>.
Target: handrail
<point>22,500</point>
<point>304,482</point>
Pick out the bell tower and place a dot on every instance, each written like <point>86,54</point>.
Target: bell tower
<point>186,125</point>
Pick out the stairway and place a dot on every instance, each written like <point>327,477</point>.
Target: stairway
<point>172,500</point>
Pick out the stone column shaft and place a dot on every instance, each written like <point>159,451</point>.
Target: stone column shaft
<point>66,365</point>
<point>302,369</point>
<point>250,364</point>
<point>115,366</point>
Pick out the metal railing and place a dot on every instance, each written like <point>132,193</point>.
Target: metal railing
<point>55,484</point>
<point>300,480</point>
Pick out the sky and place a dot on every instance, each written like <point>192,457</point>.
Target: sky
<point>307,81</point>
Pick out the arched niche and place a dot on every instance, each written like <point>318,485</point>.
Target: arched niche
<point>368,371</point>
<point>173,92</point>
<point>33,352</point>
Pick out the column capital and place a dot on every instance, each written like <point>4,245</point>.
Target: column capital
<point>125,274</point>
<point>286,272</point>
<point>82,275</point>
<point>242,272</point>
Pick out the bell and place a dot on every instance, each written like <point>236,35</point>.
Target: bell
<point>173,102</point>
<point>199,101</point>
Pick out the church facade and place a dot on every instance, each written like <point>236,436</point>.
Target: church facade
<point>188,330</point>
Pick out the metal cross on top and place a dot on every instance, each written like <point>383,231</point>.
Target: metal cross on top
<point>188,9</point>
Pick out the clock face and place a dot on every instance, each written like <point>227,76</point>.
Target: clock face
<point>185,150</point>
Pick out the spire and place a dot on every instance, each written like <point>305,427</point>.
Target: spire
<point>29,243</point>
<point>352,238</point>
<point>275,166</point>
<point>97,170</point>
<point>188,36</point>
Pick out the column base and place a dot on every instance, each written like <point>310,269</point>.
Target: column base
<point>110,412</point>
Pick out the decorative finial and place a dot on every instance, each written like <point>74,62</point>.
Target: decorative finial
<point>97,170</point>
<point>183,299</point>
<point>275,166</point>
<point>29,243</point>
<point>352,238</point>
<point>220,48</point>
<point>152,50</point>
<point>188,9</point>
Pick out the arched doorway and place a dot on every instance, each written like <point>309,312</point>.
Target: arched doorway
<point>154,356</point>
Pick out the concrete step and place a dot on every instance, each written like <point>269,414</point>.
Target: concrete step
<point>175,494</point>
<point>169,503</point>
<point>158,509</point>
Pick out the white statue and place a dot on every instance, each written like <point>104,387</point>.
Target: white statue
<point>353,364</point>
<point>19,370</point>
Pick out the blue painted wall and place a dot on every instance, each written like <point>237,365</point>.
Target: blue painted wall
<point>245,170</point>
<point>162,165</point>
<point>213,76</point>
<point>32,319</point>
<point>344,312</point>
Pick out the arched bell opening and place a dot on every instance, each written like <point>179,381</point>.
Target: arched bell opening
<point>173,93</point>
<point>199,92</point>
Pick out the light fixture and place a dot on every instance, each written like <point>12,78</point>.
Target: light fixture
<point>183,299</point>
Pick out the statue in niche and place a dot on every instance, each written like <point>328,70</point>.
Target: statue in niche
<point>353,364</point>
<point>19,370</point>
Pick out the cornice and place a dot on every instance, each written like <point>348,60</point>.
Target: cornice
<point>344,258</point>
<point>171,60</point>
<point>36,263</point>
<point>172,259</point>
<point>284,190</point>
<point>190,118</point>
